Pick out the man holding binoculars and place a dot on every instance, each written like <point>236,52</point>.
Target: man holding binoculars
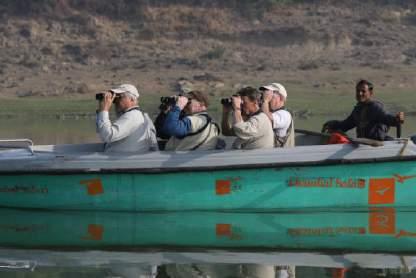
<point>187,124</point>
<point>274,98</point>
<point>132,131</point>
<point>251,126</point>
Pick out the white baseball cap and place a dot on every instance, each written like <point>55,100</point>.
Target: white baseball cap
<point>277,87</point>
<point>126,88</point>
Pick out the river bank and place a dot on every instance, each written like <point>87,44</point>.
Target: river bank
<point>303,101</point>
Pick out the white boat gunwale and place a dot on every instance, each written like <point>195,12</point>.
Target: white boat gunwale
<point>328,162</point>
<point>57,160</point>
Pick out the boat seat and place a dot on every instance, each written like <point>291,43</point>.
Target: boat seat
<point>309,140</point>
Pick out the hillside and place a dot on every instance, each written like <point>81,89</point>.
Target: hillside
<point>73,48</point>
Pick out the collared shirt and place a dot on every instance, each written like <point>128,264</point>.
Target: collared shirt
<point>283,127</point>
<point>128,133</point>
<point>255,133</point>
<point>281,122</point>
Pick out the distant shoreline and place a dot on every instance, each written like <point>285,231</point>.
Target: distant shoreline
<point>91,115</point>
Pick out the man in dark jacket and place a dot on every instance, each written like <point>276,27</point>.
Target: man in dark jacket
<point>368,116</point>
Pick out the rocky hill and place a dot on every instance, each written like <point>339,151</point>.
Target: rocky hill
<point>76,47</point>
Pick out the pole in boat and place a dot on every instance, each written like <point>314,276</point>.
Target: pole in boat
<point>399,130</point>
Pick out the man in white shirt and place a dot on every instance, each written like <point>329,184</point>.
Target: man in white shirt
<point>274,98</point>
<point>132,131</point>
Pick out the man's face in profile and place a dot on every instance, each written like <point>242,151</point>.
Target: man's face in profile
<point>248,106</point>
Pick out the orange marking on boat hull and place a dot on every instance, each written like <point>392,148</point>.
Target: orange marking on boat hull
<point>402,179</point>
<point>222,187</point>
<point>94,186</point>
<point>381,191</point>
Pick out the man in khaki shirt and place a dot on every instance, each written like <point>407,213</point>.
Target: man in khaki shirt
<point>251,126</point>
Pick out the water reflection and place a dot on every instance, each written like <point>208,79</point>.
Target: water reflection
<point>207,244</point>
<point>49,130</point>
<point>207,263</point>
<point>381,230</point>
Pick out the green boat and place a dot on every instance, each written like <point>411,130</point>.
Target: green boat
<point>316,177</point>
<point>378,230</point>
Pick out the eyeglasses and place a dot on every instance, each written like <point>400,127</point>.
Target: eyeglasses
<point>118,97</point>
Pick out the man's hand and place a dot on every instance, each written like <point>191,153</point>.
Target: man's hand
<point>400,117</point>
<point>107,101</point>
<point>181,102</point>
<point>267,96</point>
<point>168,107</point>
<point>226,109</point>
<point>236,103</point>
<point>265,106</point>
<point>329,126</point>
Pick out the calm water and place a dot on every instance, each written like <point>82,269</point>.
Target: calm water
<point>91,244</point>
<point>69,131</point>
<point>85,244</point>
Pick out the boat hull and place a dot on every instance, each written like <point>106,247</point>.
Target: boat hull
<point>340,186</point>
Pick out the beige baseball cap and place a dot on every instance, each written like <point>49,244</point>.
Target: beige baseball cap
<point>277,87</point>
<point>126,88</point>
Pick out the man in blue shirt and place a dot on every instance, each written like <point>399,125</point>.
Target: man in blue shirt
<point>193,129</point>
